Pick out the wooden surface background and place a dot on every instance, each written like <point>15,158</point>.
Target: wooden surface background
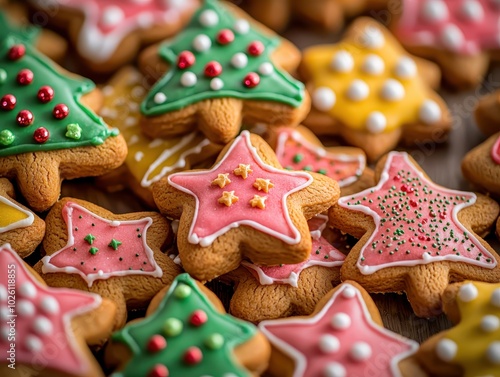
<point>441,162</point>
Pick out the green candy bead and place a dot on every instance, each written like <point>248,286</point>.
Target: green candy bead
<point>3,75</point>
<point>73,131</point>
<point>214,341</point>
<point>172,327</point>
<point>6,137</point>
<point>182,291</point>
<point>93,250</point>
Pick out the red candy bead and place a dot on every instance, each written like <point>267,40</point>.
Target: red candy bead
<point>156,343</point>
<point>25,77</point>
<point>41,135</point>
<point>159,370</point>
<point>24,118</point>
<point>16,52</point>
<point>251,80</point>
<point>413,203</point>
<point>8,102</point>
<point>185,60</point>
<point>198,318</point>
<point>60,111</point>
<point>45,94</point>
<point>193,356</point>
<point>213,69</point>
<point>225,36</point>
<point>255,48</point>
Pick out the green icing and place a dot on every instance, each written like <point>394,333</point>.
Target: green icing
<point>278,86</point>
<point>26,32</point>
<point>216,338</point>
<point>67,90</point>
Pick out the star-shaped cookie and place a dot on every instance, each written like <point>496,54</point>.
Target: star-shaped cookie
<point>117,256</point>
<point>38,321</point>
<point>416,236</point>
<point>360,86</point>
<point>344,336</point>
<point>219,226</point>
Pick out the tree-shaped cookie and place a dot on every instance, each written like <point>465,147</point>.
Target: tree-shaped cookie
<point>147,160</point>
<point>109,33</point>
<point>19,227</point>
<point>117,256</point>
<point>472,347</point>
<point>416,236</point>
<point>44,331</point>
<point>48,129</point>
<point>222,69</point>
<point>371,92</point>
<point>245,206</point>
<point>187,333</point>
<point>459,35</point>
<point>344,336</point>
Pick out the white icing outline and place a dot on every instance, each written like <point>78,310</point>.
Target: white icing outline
<point>300,359</point>
<point>384,177</point>
<point>208,240</point>
<point>48,267</point>
<point>23,223</point>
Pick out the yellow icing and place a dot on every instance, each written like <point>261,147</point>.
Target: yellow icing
<point>10,214</point>
<point>353,114</point>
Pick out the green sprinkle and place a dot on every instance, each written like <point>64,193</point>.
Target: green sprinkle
<point>172,327</point>
<point>114,244</point>
<point>182,291</point>
<point>6,137</point>
<point>93,250</point>
<point>214,341</point>
<point>73,131</point>
<point>3,75</point>
<point>297,158</point>
<point>89,238</point>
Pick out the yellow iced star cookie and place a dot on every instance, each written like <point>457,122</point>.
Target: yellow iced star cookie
<point>228,198</point>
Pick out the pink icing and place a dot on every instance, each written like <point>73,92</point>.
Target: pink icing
<point>322,254</point>
<point>341,334</point>
<point>43,335</point>
<point>495,151</point>
<point>294,152</point>
<point>461,26</point>
<point>212,219</point>
<point>415,221</point>
<point>132,257</point>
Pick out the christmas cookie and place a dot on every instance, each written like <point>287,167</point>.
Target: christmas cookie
<point>19,227</point>
<point>187,333</point>
<point>222,69</point>
<point>481,165</point>
<point>44,331</point>
<point>487,113</point>
<point>116,256</point>
<point>269,292</point>
<point>245,206</point>
<point>472,347</point>
<point>344,336</point>
<point>359,86</point>
<point>48,129</point>
<point>299,149</point>
<point>415,236</point>
<point>109,33</point>
<point>147,160</point>
<point>460,35</point>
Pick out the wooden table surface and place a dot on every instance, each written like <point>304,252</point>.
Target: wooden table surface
<point>441,162</point>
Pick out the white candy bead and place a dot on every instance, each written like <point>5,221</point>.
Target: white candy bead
<point>241,26</point>
<point>467,292</point>
<point>239,60</point>
<point>334,369</point>
<point>112,15</point>
<point>490,323</point>
<point>495,298</point>
<point>188,79</point>
<point>360,351</point>
<point>3,293</point>
<point>349,292</point>
<point>42,325</point>
<point>392,90</point>
<point>472,10</point>
<point>376,122</point>
<point>493,352</point>
<point>358,90</point>
<point>435,11</point>
<point>341,321</point>
<point>429,112</point>
<point>216,83</point>
<point>202,43</point>
<point>4,333</point>
<point>27,290</point>
<point>160,98</point>
<point>342,62</point>
<point>329,343</point>
<point>25,308</point>
<point>208,18</point>
<point>373,65</point>
<point>405,68</point>
<point>446,349</point>
<point>266,69</point>
<point>372,37</point>
<point>33,343</point>
<point>452,37</point>
<point>323,98</point>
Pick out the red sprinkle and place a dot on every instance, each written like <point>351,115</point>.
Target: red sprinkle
<point>8,102</point>
<point>413,203</point>
<point>16,52</point>
<point>424,221</point>
<point>213,69</point>
<point>60,111</point>
<point>25,77</point>
<point>185,60</point>
<point>193,356</point>
<point>159,370</point>
<point>45,94</point>
<point>156,343</point>
<point>198,318</point>
<point>404,188</point>
<point>25,118</point>
<point>225,36</point>
<point>41,135</point>
<point>251,80</point>
<point>397,177</point>
<point>255,48</point>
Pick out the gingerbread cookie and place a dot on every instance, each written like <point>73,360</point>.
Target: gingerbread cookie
<point>186,332</point>
<point>221,70</point>
<point>148,160</point>
<point>45,331</point>
<point>299,149</point>
<point>344,336</point>
<point>116,256</point>
<point>472,347</point>
<point>245,206</point>
<point>48,129</point>
<point>107,34</point>
<point>360,85</point>
<point>481,165</point>
<point>415,236</point>
<point>461,36</point>
<point>487,113</point>
<point>19,227</point>
<point>269,292</point>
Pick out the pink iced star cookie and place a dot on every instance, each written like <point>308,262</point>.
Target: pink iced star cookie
<point>245,206</point>
<point>413,231</point>
<point>45,331</point>
<point>92,249</point>
<point>344,336</point>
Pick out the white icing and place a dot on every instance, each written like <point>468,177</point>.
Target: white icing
<point>334,369</point>
<point>241,26</point>
<point>3,293</point>
<point>216,83</point>
<point>27,221</point>
<point>392,90</point>
<point>188,79</point>
<point>373,65</point>
<point>159,98</point>
<point>49,305</point>
<point>342,62</point>
<point>372,37</point>
<point>493,352</point>
<point>33,343</point>
<point>27,290</point>
<point>429,112</point>
<point>329,344</point>
<point>434,11</point>
<point>467,292</point>
<point>25,308</point>
<point>323,98</point>
<point>446,349</point>
<point>358,90</point>
<point>42,325</point>
<point>495,298</point>
<point>341,321</point>
<point>239,60</point>
<point>405,68</point>
<point>360,351</point>
<point>490,323</point>
<point>112,15</point>
<point>266,69</point>
<point>376,122</point>
<point>202,43</point>
<point>138,156</point>
<point>208,18</point>
<point>472,10</point>
<point>115,223</point>
<point>452,37</point>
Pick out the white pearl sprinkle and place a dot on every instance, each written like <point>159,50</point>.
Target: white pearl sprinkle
<point>25,308</point>
<point>42,325</point>
<point>323,98</point>
<point>405,68</point>
<point>4,333</point>
<point>493,352</point>
<point>334,369</point>
<point>188,79</point>
<point>49,305</point>
<point>372,37</point>
<point>472,10</point>
<point>329,343</point>
<point>4,313</point>
<point>112,15</point>
<point>342,62</point>
<point>239,60</point>
<point>360,351</point>
<point>241,26</point>
<point>266,69</point>
<point>341,321</point>
<point>429,112</point>
<point>490,323</point>
<point>358,90</point>
<point>139,155</point>
<point>373,65</point>
<point>467,292</point>
<point>216,83</point>
<point>349,292</point>
<point>495,298</point>
<point>159,98</point>
<point>33,343</point>
<point>392,90</point>
<point>27,290</point>
<point>434,11</point>
<point>3,293</point>
<point>208,18</point>
<point>202,43</point>
<point>446,349</point>
<point>376,122</point>
<point>452,37</point>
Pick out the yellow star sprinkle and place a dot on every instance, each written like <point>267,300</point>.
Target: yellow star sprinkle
<point>262,184</point>
<point>258,201</point>
<point>243,170</point>
<point>228,198</point>
<point>222,180</point>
